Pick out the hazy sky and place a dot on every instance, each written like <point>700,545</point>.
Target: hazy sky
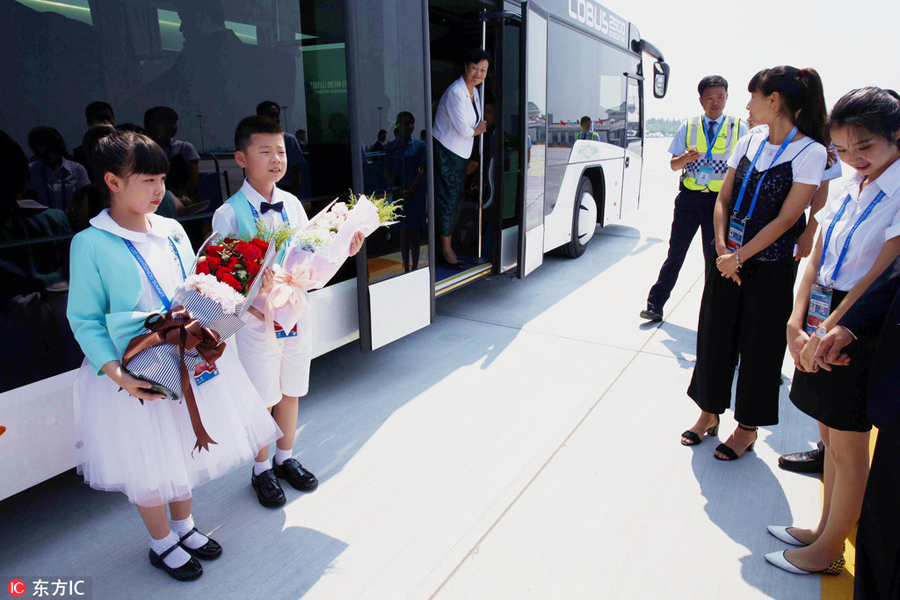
<point>850,43</point>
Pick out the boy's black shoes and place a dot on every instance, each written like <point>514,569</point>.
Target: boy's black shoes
<point>268,490</point>
<point>296,475</point>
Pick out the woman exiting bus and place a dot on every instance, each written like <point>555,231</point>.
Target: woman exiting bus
<point>747,300</point>
<point>456,123</point>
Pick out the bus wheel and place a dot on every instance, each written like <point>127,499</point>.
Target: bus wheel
<point>584,219</point>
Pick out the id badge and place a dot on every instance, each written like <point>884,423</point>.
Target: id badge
<point>735,236</point>
<point>704,176</point>
<point>819,307</point>
<point>280,333</point>
<point>204,371</point>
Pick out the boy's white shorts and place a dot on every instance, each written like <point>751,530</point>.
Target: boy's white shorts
<point>275,371</point>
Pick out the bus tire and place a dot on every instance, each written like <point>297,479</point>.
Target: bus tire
<point>584,220</point>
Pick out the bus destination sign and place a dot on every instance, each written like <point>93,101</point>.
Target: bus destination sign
<point>591,15</point>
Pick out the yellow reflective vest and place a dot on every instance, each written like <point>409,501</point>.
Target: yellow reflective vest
<point>721,152</point>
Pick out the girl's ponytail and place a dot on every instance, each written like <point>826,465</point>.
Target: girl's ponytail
<point>802,98</point>
<point>811,115</point>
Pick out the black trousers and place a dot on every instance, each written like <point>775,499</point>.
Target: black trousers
<point>745,322</point>
<point>693,210</point>
<point>878,538</point>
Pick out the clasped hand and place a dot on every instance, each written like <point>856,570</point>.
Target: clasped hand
<point>810,353</point>
<point>728,266</point>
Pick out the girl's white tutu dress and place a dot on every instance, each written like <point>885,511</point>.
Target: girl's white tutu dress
<point>145,450</point>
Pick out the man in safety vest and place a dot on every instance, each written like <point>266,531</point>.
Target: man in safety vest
<point>586,133</point>
<point>701,147</point>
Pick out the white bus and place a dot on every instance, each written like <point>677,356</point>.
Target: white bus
<point>341,72</point>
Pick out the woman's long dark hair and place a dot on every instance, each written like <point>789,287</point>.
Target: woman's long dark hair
<point>870,109</point>
<point>802,97</point>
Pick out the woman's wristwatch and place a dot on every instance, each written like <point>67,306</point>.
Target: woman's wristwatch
<point>737,258</point>
<point>821,331</point>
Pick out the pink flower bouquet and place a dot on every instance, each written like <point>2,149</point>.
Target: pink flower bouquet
<point>316,253</point>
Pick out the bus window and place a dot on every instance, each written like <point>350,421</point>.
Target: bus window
<point>585,101</point>
<point>633,118</point>
<point>613,63</point>
<point>209,61</point>
<point>392,100</point>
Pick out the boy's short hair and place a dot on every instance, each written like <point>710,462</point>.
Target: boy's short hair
<point>583,119</point>
<point>250,125</point>
<point>712,81</point>
<point>95,111</point>
<point>263,107</point>
<point>159,114</point>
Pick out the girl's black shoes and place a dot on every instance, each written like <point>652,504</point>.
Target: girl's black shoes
<point>208,551</point>
<point>187,572</point>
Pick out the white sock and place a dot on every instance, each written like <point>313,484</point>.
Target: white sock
<point>182,527</point>
<point>260,467</point>
<point>177,558</point>
<point>282,455</point>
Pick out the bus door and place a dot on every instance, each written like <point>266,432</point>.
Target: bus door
<point>533,113</point>
<point>390,101</point>
<point>504,143</point>
<point>634,147</point>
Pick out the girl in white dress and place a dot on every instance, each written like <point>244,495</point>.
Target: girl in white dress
<point>124,267</point>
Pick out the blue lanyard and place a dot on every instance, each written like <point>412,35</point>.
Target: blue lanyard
<point>284,217</point>
<point>710,144</point>
<point>837,217</point>
<point>150,276</point>
<point>762,176</point>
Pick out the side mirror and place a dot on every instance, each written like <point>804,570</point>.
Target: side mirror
<point>660,79</point>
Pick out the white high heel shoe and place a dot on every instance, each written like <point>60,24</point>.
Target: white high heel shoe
<point>778,559</point>
<point>782,534</point>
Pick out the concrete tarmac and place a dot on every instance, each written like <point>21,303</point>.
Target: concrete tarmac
<point>526,445</point>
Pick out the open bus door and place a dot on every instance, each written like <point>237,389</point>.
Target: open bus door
<point>506,142</point>
<point>534,116</point>
<point>394,270</point>
<point>634,147</point>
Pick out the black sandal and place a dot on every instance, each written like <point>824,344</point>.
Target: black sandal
<point>693,439</point>
<point>729,452</point>
<point>187,572</point>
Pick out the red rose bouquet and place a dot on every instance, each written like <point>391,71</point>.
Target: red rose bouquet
<point>234,262</point>
<point>186,341</point>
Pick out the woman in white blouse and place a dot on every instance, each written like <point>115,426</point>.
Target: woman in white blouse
<point>859,238</point>
<point>456,123</point>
